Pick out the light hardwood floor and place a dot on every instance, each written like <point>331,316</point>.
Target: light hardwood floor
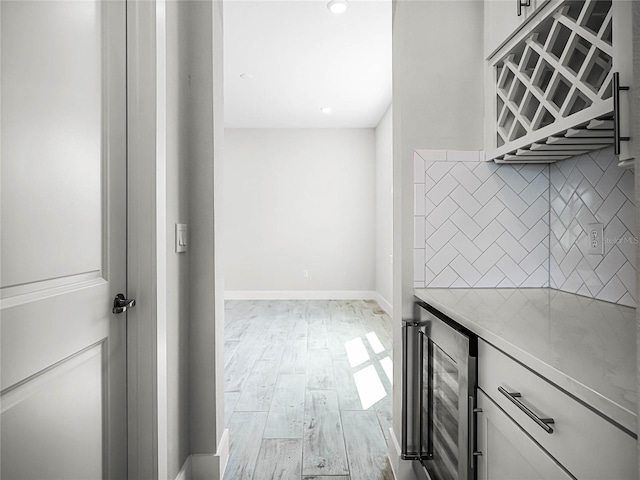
<point>307,389</point>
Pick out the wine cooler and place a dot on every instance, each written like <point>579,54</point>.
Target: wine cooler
<point>439,396</point>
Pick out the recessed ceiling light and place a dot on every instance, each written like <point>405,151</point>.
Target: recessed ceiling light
<point>337,6</point>
<point>326,110</point>
<point>246,76</point>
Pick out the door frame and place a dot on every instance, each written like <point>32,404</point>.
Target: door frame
<point>147,249</point>
<point>146,242</point>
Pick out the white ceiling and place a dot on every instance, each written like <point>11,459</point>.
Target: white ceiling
<point>302,58</point>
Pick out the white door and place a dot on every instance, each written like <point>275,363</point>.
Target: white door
<point>63,250</point>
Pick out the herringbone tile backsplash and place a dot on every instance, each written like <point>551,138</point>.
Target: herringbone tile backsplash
<point>483,225</point>
<point>590,189</point>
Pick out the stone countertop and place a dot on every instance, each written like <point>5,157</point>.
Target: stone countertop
<point>585,346</point>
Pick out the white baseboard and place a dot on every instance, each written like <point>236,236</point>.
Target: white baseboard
<point>299,295</point>
<point>386,306</point>
<point>402,469</point>
<point>185,471</point>
<point>207,466</point>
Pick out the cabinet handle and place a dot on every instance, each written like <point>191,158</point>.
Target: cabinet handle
<point>473,411</point>
<point>616,113</point>
<point>472,432</point>
<point>542,422</point>
<point>520,4</point>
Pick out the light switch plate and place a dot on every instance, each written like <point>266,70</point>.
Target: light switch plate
<point>595,232</point>
<point>181,237</point>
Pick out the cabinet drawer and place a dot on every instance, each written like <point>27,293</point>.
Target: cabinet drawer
<point>507,452</point>
<point>586,444</point>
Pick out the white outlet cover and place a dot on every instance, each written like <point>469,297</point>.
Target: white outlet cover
<point>595,240</point>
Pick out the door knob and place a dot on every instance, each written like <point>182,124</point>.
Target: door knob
<point>120,304</point>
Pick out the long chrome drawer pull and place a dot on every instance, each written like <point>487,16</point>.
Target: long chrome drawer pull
<point>543,422</point>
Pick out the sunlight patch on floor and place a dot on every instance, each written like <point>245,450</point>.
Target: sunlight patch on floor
<point>375,342</point>
<point>387,366</point>
<point>370,388</point>
<point>356,352</point>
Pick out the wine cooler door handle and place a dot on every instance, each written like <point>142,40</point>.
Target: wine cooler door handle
<point>411,449</point>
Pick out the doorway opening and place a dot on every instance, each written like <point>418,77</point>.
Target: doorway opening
<point>308,238</point>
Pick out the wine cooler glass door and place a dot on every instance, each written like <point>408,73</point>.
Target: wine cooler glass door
<point>445,405</point>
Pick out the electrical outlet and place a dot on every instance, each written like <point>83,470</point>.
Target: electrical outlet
<point>595,232</point>
<point>305,273</point>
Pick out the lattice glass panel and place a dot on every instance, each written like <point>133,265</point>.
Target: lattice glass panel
<point>562,67</point>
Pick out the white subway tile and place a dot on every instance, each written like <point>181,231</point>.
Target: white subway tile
<point>442,189</point>
<point>539,186</point>
<point>570,261</point>
<point>611,205</point>
<point>512,247</point>
<point>442,212</point>
<point>512,270</point>
<point>465,200</point>
<point>534,260</point>
<point>465,270</point>
<point>489,212</point>
<point>437,170</point>
<point>433,155</point>
<point>489,235</point>
<point>439,260</point>
<point>530,171</point>
<point>463,156</point>
<point>419,199</point>
<point>628,300</point>
<point>513,201</point>
<point>444,279</point>
<point>627,275</point>
<point>464,175</point>
<point>465,223</point>
<point>489,189</point>
<point>441,236</point>
<point>491,279</point>
<point>537,234</point>
<point>627,214</point>
<point>419,169</point>
<point>489,258</point>
<point>466,246</point>
<point>419,268</point>
<point>613,291</point>
<point>610,264</point>
<point>512,178</point>
<point>419,234</point>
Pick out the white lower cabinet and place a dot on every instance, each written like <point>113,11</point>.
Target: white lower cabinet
<point>529,428</point>
<point>508,453</point>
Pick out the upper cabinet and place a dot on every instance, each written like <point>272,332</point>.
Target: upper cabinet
<point>502,18</point>
<point>557,83</point>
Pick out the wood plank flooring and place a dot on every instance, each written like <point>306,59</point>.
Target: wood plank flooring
<point>307,397</point>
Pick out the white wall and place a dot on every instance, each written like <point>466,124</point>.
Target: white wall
<point>177,266</point>
<point>193,291</point>
<point>299,199</point>
<point>437,105</point>
<point>206,297</point>
<point>384,211</point>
